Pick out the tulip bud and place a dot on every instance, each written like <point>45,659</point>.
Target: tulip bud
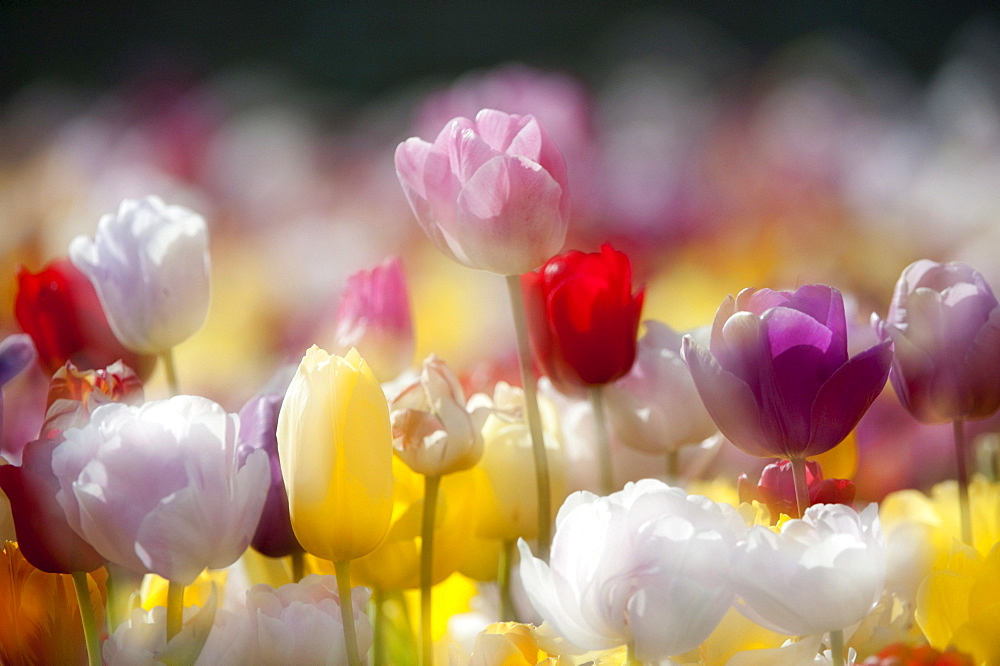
<point>433,431</point>
<point>776,489</point>
<point>374,317</point>
<point>583,317</point>
<point>335,448</point>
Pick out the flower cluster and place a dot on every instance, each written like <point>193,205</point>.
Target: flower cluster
<point>684,498</point>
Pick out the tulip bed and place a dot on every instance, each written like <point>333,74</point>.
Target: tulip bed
<point>591,486</point>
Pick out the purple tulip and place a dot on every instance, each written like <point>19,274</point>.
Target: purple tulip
<point>778,381</point>
<point>258,430</point>
<point>945,323</point>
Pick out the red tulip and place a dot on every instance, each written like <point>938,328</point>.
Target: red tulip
<point>583,317</point>
<point>776,489</point>
<point>58,307</point>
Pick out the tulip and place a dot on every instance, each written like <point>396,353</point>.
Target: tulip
<point>258,431</point>
<point>59,308</point>
<point>776,489</point>
<point>821,573</point>
<point>655,408</point>
<point>157,488</point>
<point>374,317</point>
<point>778,381</point>
<point>150,266</point>
<point>583,317</point>
<point>335,448</point>
<point>490,193</point>
<point>644,566</point>
<point>433,430</point>
<point>583,321</point>
<point>45,538</point>
<point>944,322</point>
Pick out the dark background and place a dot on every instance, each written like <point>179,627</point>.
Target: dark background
<point>366,48</point>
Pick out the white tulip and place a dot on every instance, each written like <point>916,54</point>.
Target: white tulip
<point>645,565</point>
<point>150,266</point>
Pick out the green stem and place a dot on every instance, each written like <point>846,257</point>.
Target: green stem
<point>674,467</point>
<point>533,416</point>
<point>431,484</point>
<point>506,563</point>
<point>837,647</point>
<point>343,572</point>
<point>801,485</point>
<point>87,617</point>
<point>962,466</point>
<point>298,562</point>
<point>596,394</point>
<point>171,371</point>
<point>175,609</point>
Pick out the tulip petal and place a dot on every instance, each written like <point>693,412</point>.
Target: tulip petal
<point>508,216</point>
<point>728,400</point>
<point>846,395</point>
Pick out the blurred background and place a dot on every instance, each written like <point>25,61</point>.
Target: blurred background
<point>721,145</point>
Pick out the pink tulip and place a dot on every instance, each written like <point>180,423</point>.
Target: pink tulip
<point>374,317</point>
<point>490,193</point>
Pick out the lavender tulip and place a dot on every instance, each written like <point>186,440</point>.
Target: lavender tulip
<point>778,381</point>
<point>945,323</point>
<point>157,488</point>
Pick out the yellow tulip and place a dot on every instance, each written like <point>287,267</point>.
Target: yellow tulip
<point>335,446</point>
<point>959,603</point>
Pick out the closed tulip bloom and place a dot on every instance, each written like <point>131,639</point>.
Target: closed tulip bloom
<point>646,565</point>
<point>778,381</point>
<point>335,448</point>
<point>490,193</point>
<point>149,264</point>
<point>583,317</point>
<point>158,489</point>
<point>821,573</point>
<point>258,432</point>
<point>655,408</point>
<point>433,431</point>
<point>59,308</point>
<point>374,317</point>
<point>300,623</point>
<point>945,323</point>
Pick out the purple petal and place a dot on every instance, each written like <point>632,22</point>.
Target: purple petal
<point>728,400</point>
<point>845,397</point>
<point>16,352</point>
